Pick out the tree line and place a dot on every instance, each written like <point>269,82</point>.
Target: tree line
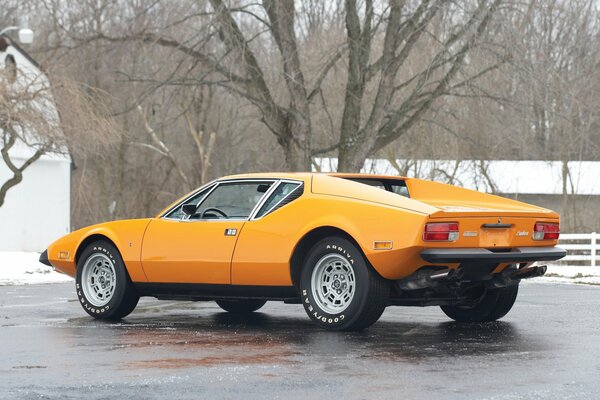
<point>190,90</point>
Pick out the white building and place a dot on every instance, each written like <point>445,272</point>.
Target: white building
<point>38,210</point>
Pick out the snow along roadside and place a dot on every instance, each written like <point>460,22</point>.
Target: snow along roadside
<point>571,274</point>
<point>20,268</point>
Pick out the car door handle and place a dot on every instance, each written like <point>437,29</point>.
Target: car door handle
<point>230,232</point>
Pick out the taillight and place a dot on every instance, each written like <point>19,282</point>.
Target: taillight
<point>441,232</point>
<point>545,231</point>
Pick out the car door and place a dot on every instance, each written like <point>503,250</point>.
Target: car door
<point>197,248</point>
<point>262,253</point>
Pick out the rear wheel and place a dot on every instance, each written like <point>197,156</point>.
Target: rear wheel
<point>339,290</point>
<point>241,306</point>
<point>492,305</point>
<point>103,285</point>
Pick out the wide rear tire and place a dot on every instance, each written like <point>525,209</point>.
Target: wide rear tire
<point>103,285</point>
<point>339,289</point>
<point>493,305</point>
<point>241,306</point>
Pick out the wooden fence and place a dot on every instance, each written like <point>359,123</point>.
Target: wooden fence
<point>582,249</point>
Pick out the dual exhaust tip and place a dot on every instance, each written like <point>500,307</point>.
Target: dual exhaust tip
<point>429,278</point>
<point>528,272</point>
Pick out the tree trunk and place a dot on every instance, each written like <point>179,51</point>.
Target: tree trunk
<point>351,158</point>
<point>296,145</point>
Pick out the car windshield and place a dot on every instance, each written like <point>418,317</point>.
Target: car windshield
<point>232,200</point>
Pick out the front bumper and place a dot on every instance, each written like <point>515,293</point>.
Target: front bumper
<point>485,256</point>
<point>44,258</point>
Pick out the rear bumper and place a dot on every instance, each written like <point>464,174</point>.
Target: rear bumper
<point>478,255</point>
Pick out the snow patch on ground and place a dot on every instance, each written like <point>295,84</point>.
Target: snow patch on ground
<point>20,268</point>
<point>572,274</point>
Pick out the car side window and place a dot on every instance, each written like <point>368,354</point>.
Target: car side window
<point>389,185</point>
<point>232,200</point>
<point>280,193</point>
<point>402,190</point>
<point>177,213</point>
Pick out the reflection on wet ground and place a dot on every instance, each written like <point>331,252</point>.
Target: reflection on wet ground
<point>546,347</point>
<point>221,337</point>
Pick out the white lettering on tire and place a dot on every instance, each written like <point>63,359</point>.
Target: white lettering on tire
<point>82,298</point>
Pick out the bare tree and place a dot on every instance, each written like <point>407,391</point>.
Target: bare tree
<point>39,116</point>
<point>293,81</point>
<point>400,102</point>
<point>557,80</point>
<point>28,120</point>
<point>369,121</point>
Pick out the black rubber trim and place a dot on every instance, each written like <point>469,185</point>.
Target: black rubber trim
<point>44,258</point>
<point>203,291</point>
<point>474,255</point>
<point>293,195</point>
<point>496,226</point>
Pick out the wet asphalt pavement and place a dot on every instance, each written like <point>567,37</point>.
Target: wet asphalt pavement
<point>548,347</point>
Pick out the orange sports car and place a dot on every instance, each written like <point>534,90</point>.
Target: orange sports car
<point>344,245</point>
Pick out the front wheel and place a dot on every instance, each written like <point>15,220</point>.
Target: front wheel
<point>339,290</point>
<point>492,305</point>
<point>103,285</point>
<point>241,306</point>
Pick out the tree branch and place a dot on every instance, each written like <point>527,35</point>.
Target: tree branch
<point>161,148</point>
<point>17,176</point>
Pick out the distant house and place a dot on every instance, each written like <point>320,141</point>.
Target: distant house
<point>37,210</point>
<point>572,188</point>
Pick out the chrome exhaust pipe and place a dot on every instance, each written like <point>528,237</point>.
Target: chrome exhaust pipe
<point>442,275</point>
<point>529,272</point>
<point>425,279</point>
<point>512,276</point>
<point>448,275</point>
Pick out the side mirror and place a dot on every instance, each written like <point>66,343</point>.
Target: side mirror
<point>262,188</point>
<point>188,209</point>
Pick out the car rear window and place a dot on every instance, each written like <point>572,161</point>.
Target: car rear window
<point>390,185</point>
<point>283,194</point>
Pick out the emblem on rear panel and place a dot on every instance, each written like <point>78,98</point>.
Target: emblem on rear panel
<point>522,233</point>
<point>470,233</point>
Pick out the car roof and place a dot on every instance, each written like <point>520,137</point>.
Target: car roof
<point>303,176</point>
<point>307,175</point>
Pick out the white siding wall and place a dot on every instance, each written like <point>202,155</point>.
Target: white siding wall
<point>37,211</point>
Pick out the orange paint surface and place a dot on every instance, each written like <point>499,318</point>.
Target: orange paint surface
<point>166,250</point>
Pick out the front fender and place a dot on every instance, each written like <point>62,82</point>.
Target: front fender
<point>126,235</point>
